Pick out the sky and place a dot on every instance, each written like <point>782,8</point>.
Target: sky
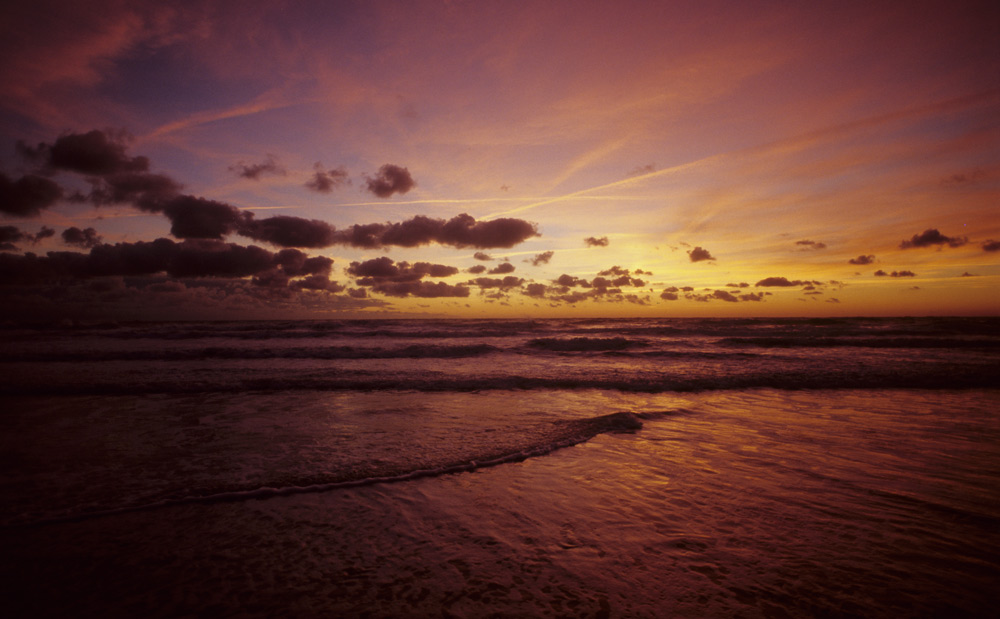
<point>244,160</point>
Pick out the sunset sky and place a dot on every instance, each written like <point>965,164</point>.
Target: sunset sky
<point>498,159</point>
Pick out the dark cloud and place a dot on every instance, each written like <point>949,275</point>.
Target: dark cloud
<point>591,241</point>
<point>640,170</point>
<point>698,254</point>
<point>739,285</point>
<point>426,290</point>
<point>615,270</point>
<point>477,269</point>
<point>28,195</point>
<point>502,268</point>
<point>960,179</point>
<point>725,295</point>
<point>95,153</point>
<point>459,231</point>
<point>389,180</point>
<point>86,238</point>
<point>535,290</point>
<point>380,271</point>
<point>811,244</point>
<point>316,282</point>
<point>991,245</point>
<point>931,237</point>
<point>670,294</point>
<point>192,258</point>
<point>862,260</point>
<point>503,284</point>
<point>542,258</point>
<point>149,192</point>
<point>10,235</point>
<point>482,256</point>
<point>254,171</point>
<point>781,282</point>
<point>295,263</point>
<point>881,273</point>
<point>753,296</point>
<point>568,281</point>
<point>325,181</point>
<point>200,218</point>
<point>287,231</point>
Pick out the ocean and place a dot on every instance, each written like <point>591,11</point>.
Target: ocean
<point>519,468</point>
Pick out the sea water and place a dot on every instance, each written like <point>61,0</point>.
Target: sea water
<point>835,467</point>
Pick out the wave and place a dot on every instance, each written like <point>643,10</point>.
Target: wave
<point>287,330</point>
<point>539,441</point>
<point>858,342</point>
<point>672,329</point>
<point>584,344</point>
<point>889,376</point>
<point>413,351</point>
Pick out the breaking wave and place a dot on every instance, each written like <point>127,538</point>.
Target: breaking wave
<point>528,443</point>
<point>584,344</point>
<point>414,351</point>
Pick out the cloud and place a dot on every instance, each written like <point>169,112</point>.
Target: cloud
<point>568,281</point>
<point>862,260</point>
<point>641,170</point>
<point>670,294</point>
<point>295,263</point>
<point>811,244</point>
<point>149,192</point>
<point>118,178</point>
<point>192,258</point>
<point>95,153</point>
<point>506,283</point>
<point>86,238</point>
<point>991,245</point>
<point>542,258</point>
<point>325,181</point>
<point>596,242</point>
<point>287,231</point>
<point>881,273</point>
<point>381,271</point>
<point>482,256</point>
<point>781,282</point>
<point>698,254</point>
<point>535,290</point>
<point>477,269</point>
<point>426,290</point>
<point>255,170</point>
<point>502,268</point>
<point>28,195</point>
<point>9,235</point>
<point>459,231</point>
<point>932,237</point>
<point>725,296</point>
<point>200,218</point>
<point>389,180</point>
<point>962,178</point>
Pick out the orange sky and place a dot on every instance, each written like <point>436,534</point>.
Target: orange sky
<point>632,158</point>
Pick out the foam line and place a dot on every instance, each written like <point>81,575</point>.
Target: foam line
<point>560,435</point>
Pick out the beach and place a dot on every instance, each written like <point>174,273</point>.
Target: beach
<point>520,498</point>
